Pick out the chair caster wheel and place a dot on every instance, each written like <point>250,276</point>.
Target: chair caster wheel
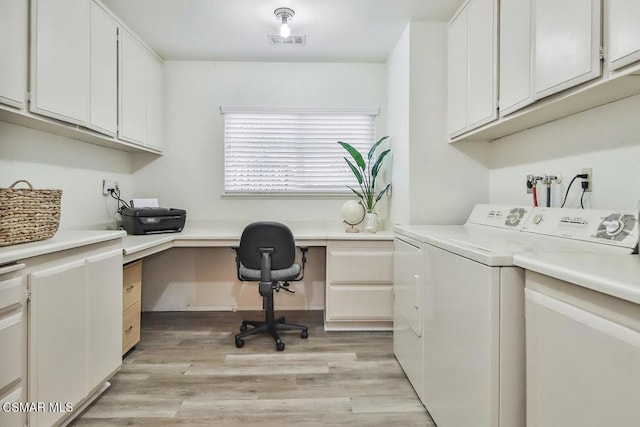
<point>243,328</point>
<point>239,342</point>
<point>280,346</point>
<point>304,334</point>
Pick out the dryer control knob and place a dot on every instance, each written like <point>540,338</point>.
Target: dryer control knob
<point>537,219</point>
<point>613,227</point>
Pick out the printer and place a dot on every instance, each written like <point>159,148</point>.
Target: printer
<point>149,220</point>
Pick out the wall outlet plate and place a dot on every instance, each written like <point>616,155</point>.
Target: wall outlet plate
<point>107,184</point>
<point>588,171</point>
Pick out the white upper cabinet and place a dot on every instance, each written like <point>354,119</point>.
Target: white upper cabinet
<point>141,97</point>
<point>623,32</point>
<point>133,77</point>
<point>567,44</point>
<point>14,20</point>
<point>482,47</point>
<point>155,103</point>
<point>104,71</point>
<point>61,59</point>
<point>472,74</point>
<point>457,74</point>
<point>516,55</point>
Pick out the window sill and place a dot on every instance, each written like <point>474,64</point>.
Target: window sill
<point>314,196</point>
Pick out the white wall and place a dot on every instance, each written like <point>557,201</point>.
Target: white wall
<point>434,182</point>
<point>606,139</point>
<point>398,126</point>
<point>78,168</point>
<point>190,173</point>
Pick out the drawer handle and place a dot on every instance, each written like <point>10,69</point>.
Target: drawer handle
<point>129,329</point>
<point>129,288</point>
<point>5,269</point>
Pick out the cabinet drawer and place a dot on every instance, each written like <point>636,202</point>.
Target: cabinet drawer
<point>12,352</point>
<point>131,284</point>
<point>11,292</point>
<point>13,418</point>
<point>130,327</point>
<point>360,266</point>
<point>360,302</point>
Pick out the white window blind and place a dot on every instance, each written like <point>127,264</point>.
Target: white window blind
<point>281,152</point>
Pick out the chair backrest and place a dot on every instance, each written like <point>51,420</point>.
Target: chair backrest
<point>267,235</point>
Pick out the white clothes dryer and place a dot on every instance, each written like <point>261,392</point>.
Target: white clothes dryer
<point>459,324</point>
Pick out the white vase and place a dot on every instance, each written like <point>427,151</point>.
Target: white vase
<point>371,222</point>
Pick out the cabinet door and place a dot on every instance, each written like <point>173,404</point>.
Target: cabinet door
<point>623,32</point>
<point>104,316</point>
<point>567,44</point>
<point>13,51</point>
<point>133,92</point>
<point>60,49</point>
<point>104,71</point>
<point>582,369</point>
<point>457,74</point>
<point>482,57</point>
<point>155,102</point>
<point>57,338</point>
<point>516,57</point>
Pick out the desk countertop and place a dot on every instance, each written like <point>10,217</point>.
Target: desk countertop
<point>227,233</point>
<point>195,234</point>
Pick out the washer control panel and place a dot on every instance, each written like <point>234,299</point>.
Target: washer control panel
<point>591,225</point>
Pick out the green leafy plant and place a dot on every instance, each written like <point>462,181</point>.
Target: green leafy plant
<point>366,172</point>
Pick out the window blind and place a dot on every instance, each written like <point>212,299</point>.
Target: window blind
<point>284,152</point>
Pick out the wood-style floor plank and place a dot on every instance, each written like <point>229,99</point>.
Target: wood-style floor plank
<point>187,371</point>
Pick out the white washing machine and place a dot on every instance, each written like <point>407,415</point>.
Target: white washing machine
<point>582,315</point>
<point>459,326</point>
<point>459,317</point>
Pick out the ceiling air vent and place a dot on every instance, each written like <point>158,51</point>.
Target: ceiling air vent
<point>294,39</point>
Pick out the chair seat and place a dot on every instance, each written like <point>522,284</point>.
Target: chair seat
<point>276,275</point>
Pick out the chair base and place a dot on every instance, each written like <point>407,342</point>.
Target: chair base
<point>270,325</point>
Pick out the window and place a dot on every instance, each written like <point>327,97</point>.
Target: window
<point>292,151</point>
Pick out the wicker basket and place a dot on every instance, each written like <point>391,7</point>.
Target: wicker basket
<point>28,215</point>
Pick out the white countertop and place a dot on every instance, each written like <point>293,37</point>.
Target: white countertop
<point>612,273</point>
<point>62,240</point>
<point>226,232</point>
<point>198,233</point>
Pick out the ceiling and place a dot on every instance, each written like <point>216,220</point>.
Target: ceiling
<point>236,30</point>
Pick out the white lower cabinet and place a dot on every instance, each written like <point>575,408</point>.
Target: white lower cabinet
<point>75,322</point>
<point>13,344</point>
<point>583,356</point>
<point>359,285</point>
<point>58,342</point>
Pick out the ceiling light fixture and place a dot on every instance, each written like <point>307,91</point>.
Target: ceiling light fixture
<point>284,15</point>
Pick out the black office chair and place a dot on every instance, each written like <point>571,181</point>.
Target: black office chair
<point>267,255</point>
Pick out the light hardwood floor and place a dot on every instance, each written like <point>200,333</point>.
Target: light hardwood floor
<point>187,371</point>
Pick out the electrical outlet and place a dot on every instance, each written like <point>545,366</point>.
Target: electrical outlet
<point>589,179</point>
<point>108,184</point>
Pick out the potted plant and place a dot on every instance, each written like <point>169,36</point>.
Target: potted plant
<point>366,172</point>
